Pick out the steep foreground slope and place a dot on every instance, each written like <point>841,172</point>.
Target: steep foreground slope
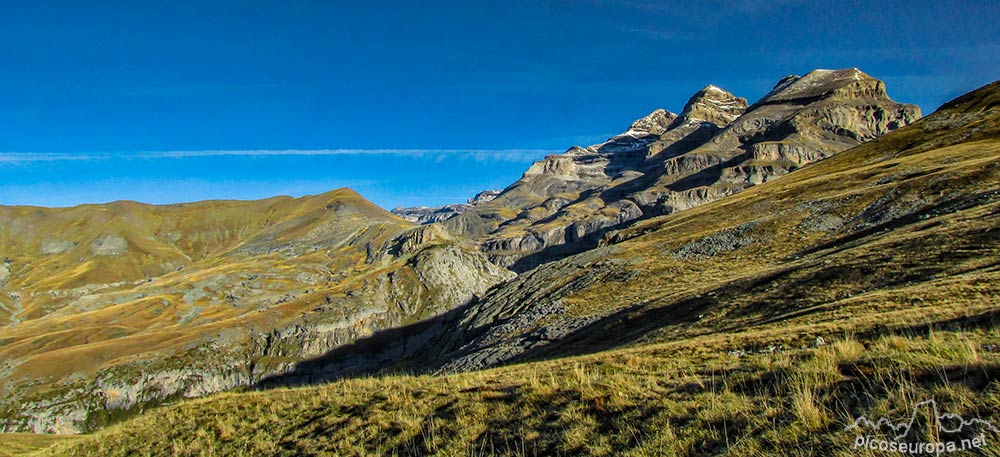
<point>109,308</point>
<point>762,323</point>
<point>663,163</point>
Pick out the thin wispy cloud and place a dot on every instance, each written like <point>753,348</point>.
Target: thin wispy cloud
<point>480,155</point>
<point>22,157</point>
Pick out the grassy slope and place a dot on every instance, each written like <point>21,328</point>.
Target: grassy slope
<point>144,304</point>
<point>202,235</point>
<point>267,284</point>
<point>26,443</point>
<point>746,378</point>
<point>691,397</point>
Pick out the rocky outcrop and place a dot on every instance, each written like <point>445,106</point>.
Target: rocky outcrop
<point>415,238</point>
<point>109,245</point>
<point>4,271</point>
<point>711,105</point>
<point>802,120</point>
<point>715,147</point>
<point>525,314</point>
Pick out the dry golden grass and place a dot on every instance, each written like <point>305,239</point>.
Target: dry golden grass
<point>15,444</point>
<point>690,398</point>
<point>74,313</point>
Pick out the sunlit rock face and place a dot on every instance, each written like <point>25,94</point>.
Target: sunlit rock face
<point>715,147</point>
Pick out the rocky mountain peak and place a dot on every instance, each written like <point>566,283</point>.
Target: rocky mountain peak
<point>715,147</point>
<point>654,123</point>
<point>808,118</point>
<point>639,135</point>
<point>711,104</point>
<point>483,197</point>
<point>847,83</point>
<point>784,82</point>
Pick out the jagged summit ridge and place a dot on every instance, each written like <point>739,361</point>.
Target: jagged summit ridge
<point>711,104</point>
<point>716,146</point>
<point>816,115</point>
<point>651,124</point>
<point>640,133</point>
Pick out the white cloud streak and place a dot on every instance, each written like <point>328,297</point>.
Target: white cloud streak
<point>480,155</point>
<point>20,157</point>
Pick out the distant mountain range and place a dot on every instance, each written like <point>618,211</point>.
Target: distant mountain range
<point>428,215</point>
<point>678,227</point>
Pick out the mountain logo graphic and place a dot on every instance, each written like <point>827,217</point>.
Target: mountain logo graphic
<point>948,423</point>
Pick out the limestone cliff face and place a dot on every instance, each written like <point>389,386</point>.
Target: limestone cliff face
<point>716,146</point>
<point>826,106</point>
<point>580,169</point>
<point>802,120</point>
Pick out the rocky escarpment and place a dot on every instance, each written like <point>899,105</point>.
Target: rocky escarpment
<point>884,225</point>
<point>802,120</point>
<point>664,163</point>
<point>429,215</point>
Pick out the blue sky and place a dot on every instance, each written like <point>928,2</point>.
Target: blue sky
<point>410,102</point>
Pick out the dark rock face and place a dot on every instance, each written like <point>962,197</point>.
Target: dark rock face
<point>716,146</point>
